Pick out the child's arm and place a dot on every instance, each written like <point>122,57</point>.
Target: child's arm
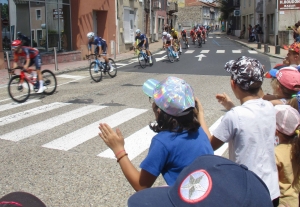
<point>225,101</point>
<point>201,117</point>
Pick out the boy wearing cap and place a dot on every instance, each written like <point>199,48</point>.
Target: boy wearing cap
<point>249,128</point>
<point>287,154</point>
<point>179,140</point>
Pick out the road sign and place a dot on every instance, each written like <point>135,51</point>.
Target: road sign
<point>5,22</point>
<point>200,57</point>
<point>236,13</point>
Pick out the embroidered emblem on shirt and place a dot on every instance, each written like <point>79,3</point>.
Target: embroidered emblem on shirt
<point>195,187</point>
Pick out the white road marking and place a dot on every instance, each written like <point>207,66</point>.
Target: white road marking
<point>200,57</point>
<point>190,51</point>
<point>204,51</point>
<point>252,51</point>
<point>220,51</point>
<point>121,64</point>
<point>135,144</point>
<point>210,37</point>
<point>14,105</point>
<point>236,51</point>
<point>224,147</point>
<point>37,128</point>
<point>218,37</point>
<point>86,133</point>
<point>159,59</point>
<point>31,112</point>
<point>133,60</point>
<point>77,77</point>
<point>159,53</point>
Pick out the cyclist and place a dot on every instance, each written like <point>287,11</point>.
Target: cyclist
<point>100,48</point>
<point>143,43</point>
<point>199,33</point>
<point>193,34</point>
<point>183,35</point>
<point>203,33</point>
<point>167,40</point>
<point>175,41</point>
<point>32,56</point>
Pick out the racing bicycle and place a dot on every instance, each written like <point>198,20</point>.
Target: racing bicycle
<point>143,57</point>
<point>171,54</point>
<point>98,67</point>
<point>19,86</point>
<point>185,42</point>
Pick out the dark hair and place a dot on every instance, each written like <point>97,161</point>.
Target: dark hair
<point>253,89</point>
<point>166,122</point>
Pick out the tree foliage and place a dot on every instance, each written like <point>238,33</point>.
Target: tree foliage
<point>226,8</point>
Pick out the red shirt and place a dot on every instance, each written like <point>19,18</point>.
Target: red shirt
<point>27,52</point>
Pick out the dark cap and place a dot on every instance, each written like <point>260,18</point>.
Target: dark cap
<point>247,72</point>
<point>20,199</point>
<point>209,181</point>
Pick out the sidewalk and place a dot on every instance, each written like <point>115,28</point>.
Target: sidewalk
<point>83,64</point>
<point>253,46</point>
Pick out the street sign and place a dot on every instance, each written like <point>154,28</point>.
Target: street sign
<point>200,57</point>
<point>288,5</point>
<point>236,13</point>
<point>58,13</point>
<point>5,22</point>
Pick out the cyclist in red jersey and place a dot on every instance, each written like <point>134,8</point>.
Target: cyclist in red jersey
<point>199,32</point>
<point>32,56</point>
<point>203,33</point>
<point>192,34</point>
<point>183,36</point>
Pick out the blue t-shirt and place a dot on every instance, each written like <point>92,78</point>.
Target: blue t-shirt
<point>142,37</point>
<point>170,152</point>
<point>98,41</point>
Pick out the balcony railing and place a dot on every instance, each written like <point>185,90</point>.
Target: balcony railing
<point>156,4</point>
<point>172,8</point>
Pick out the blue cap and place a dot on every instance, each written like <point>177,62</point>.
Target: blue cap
<point>273,72</point>
<point>209,181</point>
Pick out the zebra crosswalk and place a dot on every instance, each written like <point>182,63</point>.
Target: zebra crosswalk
<point>135,144</point>
<point>190,51</point>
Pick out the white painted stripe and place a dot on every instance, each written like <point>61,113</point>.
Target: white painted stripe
<point>224,147</point>
<point>71,76</point>
<point>204,51</point>
<point>190,51</point>
<point>133,60</point>
<point>236,51</point>
<point>14,105</point>
<point>32,112</point>
<point>121,64</point>
<point>218,37</point>
<point>220,51</point>
<point>86,133</point>
<point>37,128</point>
<point>159,53</point>
<point>210,37</point>
<point>252,51</point>
<point>135,144</point>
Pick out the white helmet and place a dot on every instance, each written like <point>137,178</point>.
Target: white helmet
<point>164,33</point>
<point>138,31</point>
<point>90,35</point>
<point>182,29</point>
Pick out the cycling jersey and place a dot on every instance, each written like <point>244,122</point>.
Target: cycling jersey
<point>98,41</point>
<point>199,31</point>
<point>167,39</point>
<point>27,52</point>
<point>192,32</point>
<point>142,38</point>
<point>174,34</point>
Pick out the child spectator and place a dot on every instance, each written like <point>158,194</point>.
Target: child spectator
<point>179,141</point>
<point>287,154</point>
<point>249,128</point>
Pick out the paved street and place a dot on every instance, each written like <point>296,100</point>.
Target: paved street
<point>50,146</point>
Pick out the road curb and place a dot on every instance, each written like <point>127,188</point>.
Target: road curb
<point>241,43</point>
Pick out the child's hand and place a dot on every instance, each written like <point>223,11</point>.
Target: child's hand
<point>114,140</point>
<point>225,101</point>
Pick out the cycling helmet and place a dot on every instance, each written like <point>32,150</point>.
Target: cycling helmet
<point>90,35</point>
<point>164,33</point>
<point>138,31</point>
<point>16,43</point>
<point>172,30</point>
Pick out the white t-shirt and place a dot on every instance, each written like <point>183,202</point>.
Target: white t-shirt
<point>249,130</point>
<point>167,38</point>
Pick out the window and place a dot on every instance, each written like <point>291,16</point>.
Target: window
<point>250,2</point>
<point>38,14</point>
<point>272,25</point>
<point>32,35</point>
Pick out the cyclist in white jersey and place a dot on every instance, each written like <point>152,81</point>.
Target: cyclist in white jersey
<point>167,41</point>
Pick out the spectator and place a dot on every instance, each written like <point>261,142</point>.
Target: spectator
<point>250,31</point>
<point>285,84</point>
<point>259,33</point>
<point>180,139</point>
<point>287,154</point>
<point>243,32</point>
<point>249,128</point>
<point>210,181</point>
<point>296,33</point>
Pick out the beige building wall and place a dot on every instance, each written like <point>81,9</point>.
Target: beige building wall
<point>137,8</point>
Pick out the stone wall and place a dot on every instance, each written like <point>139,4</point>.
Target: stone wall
<point>188,16</point>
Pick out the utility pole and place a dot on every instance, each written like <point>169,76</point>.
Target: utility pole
<point>276,23</point>
<point>150,14</point>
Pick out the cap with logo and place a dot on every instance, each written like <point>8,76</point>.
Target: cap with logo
<point>209,181</point>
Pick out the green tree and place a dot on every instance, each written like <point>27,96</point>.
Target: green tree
<point>226,8</point>
<point>4,11</point>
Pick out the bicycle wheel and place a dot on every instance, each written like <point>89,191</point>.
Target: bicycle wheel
<point>18,93</point>
<point>170,55</point>
<point>114,72</point>
<point>95,71</point>
<point>200,42</point>
<point>50,82</point>
<point>142,60</point>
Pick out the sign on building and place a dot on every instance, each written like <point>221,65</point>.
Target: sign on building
<point>236,13</point>
<point>58,13</point>
<point>289,4</point>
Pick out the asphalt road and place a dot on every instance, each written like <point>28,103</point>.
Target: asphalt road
<point>50,146</point>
